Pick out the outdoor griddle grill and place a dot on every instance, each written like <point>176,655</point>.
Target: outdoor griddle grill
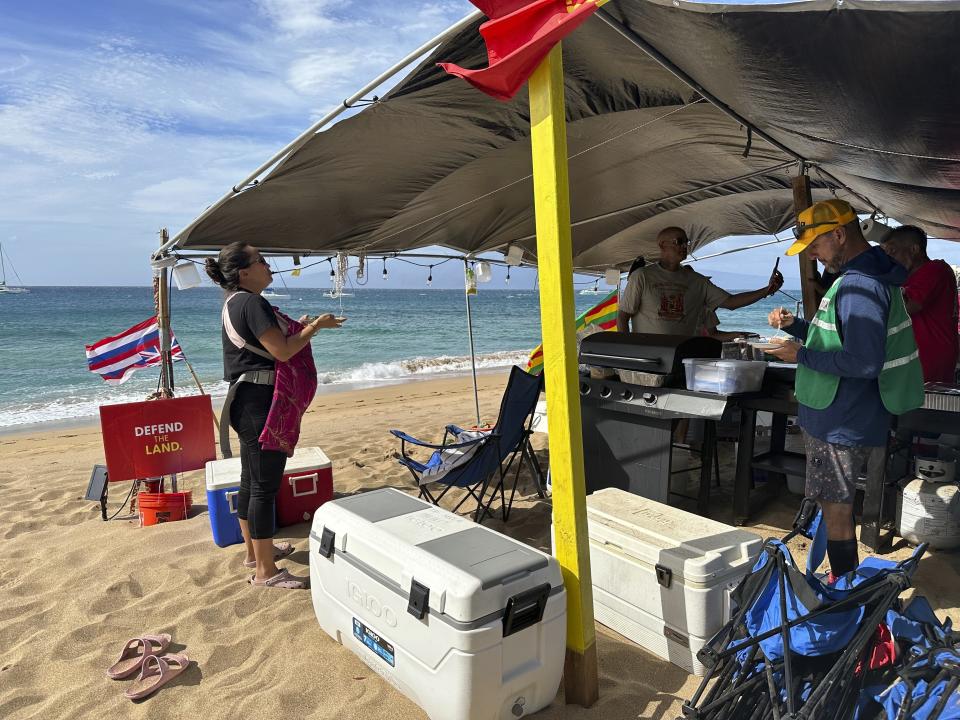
<point>628,423</point>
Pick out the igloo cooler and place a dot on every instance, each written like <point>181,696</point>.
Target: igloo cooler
<point>662,577</point>
<point>223,484</point>
<point>307,484</point>
<point>466,622</point>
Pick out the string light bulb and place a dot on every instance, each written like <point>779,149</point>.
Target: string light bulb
<point>507,279</point>
<point>332,273</point>
<point>384,274</point>
<point>430,276</point>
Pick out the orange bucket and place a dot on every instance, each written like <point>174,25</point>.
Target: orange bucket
<point>156,508</point>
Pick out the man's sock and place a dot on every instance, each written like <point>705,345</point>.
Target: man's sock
<point>843,556</point>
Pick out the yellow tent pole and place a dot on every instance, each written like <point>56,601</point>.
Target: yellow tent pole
<point>548,141</point>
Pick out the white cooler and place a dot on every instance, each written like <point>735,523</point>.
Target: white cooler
<point>466,622</point>
<point>662,577</point>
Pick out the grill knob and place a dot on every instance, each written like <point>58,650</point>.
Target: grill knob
<point>649,398</point>
<point>605,392</point>
<point>627,395</point>
<point>584,389</point>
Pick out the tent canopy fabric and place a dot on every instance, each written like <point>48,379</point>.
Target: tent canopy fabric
<point>864,93</point>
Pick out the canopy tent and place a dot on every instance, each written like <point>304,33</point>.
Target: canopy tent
<point>434,162</point>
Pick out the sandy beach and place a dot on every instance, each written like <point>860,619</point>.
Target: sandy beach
<point>73,589</point>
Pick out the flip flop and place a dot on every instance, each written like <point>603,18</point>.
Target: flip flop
<point>280,551</point>
<point>283,580</point>
<point>134,653</point>
<point>157,671</point>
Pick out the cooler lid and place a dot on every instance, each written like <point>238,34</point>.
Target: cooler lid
<point>471,571</point>
<point>695,548</point>
<point>226,473</point>
<point>223,473</point>
<point>306,458</point>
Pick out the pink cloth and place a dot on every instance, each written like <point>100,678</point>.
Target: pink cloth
<point>294,388</point>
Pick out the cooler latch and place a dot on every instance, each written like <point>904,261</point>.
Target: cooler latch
<point>419,602</point>
<point>525,609</point>
<point>327,539</point>
<point>664,575</point>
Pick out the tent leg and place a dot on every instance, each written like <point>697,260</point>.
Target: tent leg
<point>162,299</point>
<point>548,141</point>
<point>473,355</point>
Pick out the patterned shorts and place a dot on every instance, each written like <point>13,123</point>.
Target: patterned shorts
<point>832,470</point>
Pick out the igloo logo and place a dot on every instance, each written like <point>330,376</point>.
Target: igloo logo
<point>371,604</point>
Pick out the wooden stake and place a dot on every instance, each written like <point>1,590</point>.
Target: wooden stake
<point>548,142</point>
<point>163,325</point>
<point>802,199</point>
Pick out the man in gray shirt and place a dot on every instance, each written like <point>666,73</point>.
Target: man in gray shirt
<point>668,299</point>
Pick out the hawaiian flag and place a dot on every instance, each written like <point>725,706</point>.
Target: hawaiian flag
<point>603,315</point>
<point>116,358</point>
<point>519,35</point>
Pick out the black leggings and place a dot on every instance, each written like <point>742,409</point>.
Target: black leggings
<point>260,470</point>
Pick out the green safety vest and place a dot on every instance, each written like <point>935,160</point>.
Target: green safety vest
<point>901,379</point>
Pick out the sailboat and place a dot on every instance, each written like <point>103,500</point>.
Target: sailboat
<point>273,294</point>
<point>595,290</point>
<point>9,289</point>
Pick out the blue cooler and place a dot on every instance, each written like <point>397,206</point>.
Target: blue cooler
<point>223,484</point>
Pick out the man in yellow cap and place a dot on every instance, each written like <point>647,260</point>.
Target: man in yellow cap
<point>856,365</point>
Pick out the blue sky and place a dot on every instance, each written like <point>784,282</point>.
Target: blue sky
<point>119,117</point>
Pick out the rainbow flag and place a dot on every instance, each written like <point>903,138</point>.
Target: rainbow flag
<point>603,314</point>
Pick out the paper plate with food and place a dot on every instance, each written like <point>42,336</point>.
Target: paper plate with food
<point>770,343</point>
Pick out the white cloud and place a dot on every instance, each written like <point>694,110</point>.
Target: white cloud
<point>328,69</point>
<point>175,193</point>
<point>12,64</point>
<point>299,18</point>
<point>106,136</point>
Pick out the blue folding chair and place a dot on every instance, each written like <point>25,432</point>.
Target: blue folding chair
<point>491,453</point>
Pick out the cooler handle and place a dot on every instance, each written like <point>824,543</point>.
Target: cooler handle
<point>232,501</point>
<point>313,489</point>
<point>525,609</point>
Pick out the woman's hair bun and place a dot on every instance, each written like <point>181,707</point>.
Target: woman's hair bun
<point>213,270</point>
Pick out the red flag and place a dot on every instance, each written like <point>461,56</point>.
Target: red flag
<point>518,35</point>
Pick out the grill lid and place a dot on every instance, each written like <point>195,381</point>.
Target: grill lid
<point>662,354</point>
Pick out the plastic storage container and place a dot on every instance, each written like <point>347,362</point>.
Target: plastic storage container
<point>725,377</point>
<point>466,622</point>
<point>662,577</point>
<point>307,484</point>
<point>223,484</point>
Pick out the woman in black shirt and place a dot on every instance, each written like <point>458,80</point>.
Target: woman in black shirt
<point>252,343</point>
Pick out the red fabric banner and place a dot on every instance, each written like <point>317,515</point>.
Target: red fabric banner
<point>519,35</point>
<point>157,437</point>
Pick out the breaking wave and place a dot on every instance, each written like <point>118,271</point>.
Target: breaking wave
<point>420,366</point>
<point>79,403</point>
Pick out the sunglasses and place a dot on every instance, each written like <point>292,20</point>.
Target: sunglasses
<point>261,259</point>
<point>800,227</point>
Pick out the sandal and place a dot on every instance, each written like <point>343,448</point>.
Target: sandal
<point>280,551</point>
<point>157,671</point>
<point>283,580</point>
<point>134,652</point>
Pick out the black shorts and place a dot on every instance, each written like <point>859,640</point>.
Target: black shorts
<point>832,470</point>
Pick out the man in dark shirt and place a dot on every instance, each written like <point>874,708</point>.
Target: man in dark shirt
<point>930,293</point>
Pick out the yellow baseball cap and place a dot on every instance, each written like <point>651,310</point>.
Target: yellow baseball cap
<point>819,218</point>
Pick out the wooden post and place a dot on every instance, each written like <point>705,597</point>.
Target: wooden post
<point>163,325</point>
<point>548,142</point>
<point>811,293</point>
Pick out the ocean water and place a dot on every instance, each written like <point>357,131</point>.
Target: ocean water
<point>390,335</point>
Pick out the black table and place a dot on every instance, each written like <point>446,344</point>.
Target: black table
<point>878,495</point>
